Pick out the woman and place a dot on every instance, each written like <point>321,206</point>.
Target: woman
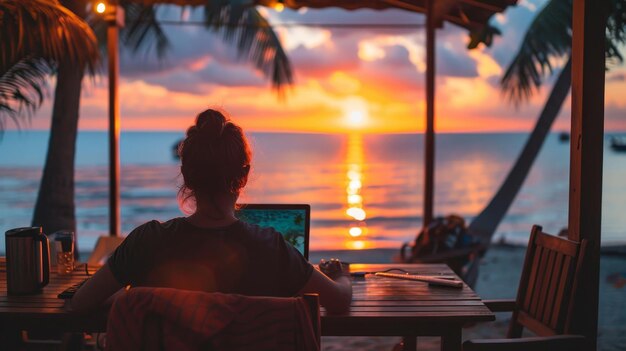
<point>211,250</point>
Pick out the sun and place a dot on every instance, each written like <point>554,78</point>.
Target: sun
<point>356,118</point>
<point>355,113</point>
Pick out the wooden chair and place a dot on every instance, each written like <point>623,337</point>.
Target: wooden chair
<point>545,298</point>
<point>152,333</point>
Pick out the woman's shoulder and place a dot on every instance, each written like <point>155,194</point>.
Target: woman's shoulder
<point>258,233</point>
<point>156,227</point>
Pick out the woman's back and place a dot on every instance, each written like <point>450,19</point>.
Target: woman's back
<point>240,258</point>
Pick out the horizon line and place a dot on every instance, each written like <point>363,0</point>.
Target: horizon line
<point>504,131</point>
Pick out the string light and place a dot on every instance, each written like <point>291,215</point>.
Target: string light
<point>101,7</point>
<point>279,6</point>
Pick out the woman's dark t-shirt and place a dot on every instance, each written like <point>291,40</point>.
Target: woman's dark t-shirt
<point>241,258</point>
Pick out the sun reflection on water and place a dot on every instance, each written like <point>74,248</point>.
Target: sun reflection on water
<point>354,198</point>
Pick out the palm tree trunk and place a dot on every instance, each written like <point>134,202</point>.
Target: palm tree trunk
<point>485,224</point>
<point>54,209</point>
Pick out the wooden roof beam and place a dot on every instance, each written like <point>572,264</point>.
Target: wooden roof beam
<point>404,5</point>
<point>484,6</point>
<point>467,23</point>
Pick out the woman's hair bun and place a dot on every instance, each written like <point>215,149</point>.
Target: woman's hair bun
<point>215,156</point>
<point>210,124</point>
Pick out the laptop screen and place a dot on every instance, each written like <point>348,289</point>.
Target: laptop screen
<point>292,221</point>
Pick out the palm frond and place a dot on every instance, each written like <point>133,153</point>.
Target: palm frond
<point>35,36</point>
<point>44,29</point>
<point>616,30</point>
<point>22,89</point>
<point>548,39</point>
<point>143,31</point>
<point>243,25</point>
<point>237,20</point>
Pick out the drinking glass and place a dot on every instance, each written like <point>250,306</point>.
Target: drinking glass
<point>64,247</point>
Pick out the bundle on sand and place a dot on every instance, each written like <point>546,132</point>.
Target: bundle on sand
<point>446,240</point>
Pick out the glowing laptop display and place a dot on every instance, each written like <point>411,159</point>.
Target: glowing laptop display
<point>292,221</point>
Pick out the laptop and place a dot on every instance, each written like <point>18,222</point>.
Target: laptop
<point>291,220</point>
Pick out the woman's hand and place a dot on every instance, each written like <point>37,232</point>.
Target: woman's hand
<point>334,268</point>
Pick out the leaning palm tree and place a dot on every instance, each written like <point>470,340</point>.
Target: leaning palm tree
<point>545,48</point>
<point>236,20</point>
<point>35,36</point>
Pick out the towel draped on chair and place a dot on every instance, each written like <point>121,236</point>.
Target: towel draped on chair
<point>172,319</point>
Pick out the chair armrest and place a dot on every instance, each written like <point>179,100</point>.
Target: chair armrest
<point>500,305</point>
<point>544,343</point>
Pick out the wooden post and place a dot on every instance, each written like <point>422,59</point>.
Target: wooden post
<point>587,143</point>
<point>429,135</point>
<point>114,130</point>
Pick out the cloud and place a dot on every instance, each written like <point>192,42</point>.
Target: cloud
<point>616,77</point>
<point>323,61</point>
<point>451,62</point>
<point>394,72</point>
<point>506,45</point>
<point>206,74</point>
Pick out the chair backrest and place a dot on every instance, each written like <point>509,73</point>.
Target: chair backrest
<point>165,318</point>
<point>313,302</point>
<point>545,297</point>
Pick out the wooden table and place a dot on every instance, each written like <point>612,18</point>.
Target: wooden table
<point>380,307</point>
<point>45,310</point>
<point>394,307</point>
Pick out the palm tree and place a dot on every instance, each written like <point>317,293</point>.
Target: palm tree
<point>31,48</point>
<point>547,44</point>
<point>236,20</point>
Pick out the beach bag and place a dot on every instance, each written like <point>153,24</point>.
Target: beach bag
<point>443,234</point>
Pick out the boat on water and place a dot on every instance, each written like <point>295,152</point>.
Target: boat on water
<point>175,149</point>
<point>563,137</point>
<point>618,144</point>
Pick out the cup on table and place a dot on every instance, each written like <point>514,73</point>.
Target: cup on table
<point>64,248</point>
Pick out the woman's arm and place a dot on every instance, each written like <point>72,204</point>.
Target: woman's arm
<point>335,294</point>
<point>94,292</point>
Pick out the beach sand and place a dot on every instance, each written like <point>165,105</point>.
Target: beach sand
<point>500,271</point>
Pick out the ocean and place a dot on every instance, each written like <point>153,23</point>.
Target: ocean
<point>369,182</point>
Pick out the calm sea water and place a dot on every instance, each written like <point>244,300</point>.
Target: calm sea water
<point>365,191</point>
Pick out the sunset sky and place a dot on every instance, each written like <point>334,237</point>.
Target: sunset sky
<point>369,80</point>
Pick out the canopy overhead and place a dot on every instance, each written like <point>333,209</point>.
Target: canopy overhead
<point>473,15</point>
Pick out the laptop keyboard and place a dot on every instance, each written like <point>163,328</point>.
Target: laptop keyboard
<point>69,292</point>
